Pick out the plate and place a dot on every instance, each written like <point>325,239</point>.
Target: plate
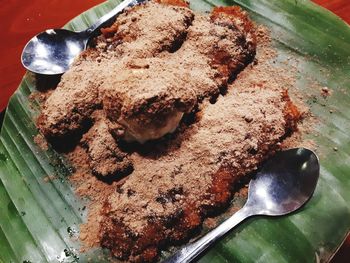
<point>40,217</point>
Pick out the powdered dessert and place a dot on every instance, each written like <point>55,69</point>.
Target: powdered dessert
<point>150,110</point>
<point>146,89</point>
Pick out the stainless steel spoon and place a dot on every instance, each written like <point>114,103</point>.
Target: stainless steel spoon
<point>53,51</point>
<point>284,184</point>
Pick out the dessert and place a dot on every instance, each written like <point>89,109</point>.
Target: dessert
<point>166,197</point>
<point>149,84</point>
<point>151,111</point>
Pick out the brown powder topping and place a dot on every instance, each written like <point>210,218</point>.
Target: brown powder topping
<point>105,158</point>
<point>177,182</point>
<point>146,70</point>
<point>137,34</point>
<point>141,73</point>
<point>41,142</point>
<point>71,104</point>
<point>196,171</point>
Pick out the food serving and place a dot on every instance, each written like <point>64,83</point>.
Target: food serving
<point>162,117</point>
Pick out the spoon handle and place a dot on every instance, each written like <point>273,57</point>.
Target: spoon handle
<point>192,250</point>
<point>118,9</point>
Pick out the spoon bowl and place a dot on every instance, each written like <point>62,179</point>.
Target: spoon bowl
<point>284,184</point>
<point>53,51</point>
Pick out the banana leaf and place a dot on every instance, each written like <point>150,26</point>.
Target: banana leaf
<point>40,217</point>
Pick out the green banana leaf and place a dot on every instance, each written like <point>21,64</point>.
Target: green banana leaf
<point>39,218</point>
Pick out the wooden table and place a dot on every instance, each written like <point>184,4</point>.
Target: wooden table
<point>20,20</point>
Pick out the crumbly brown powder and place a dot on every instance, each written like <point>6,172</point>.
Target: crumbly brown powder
<point>72,102</point>
<point>67,111</point>
<point>41,142</point>
<point>178,172</point>
<point>137,34</point>
<point>146,88</point>
<point>143,69</point>
<point>178,180</point>
<point>105,158</point>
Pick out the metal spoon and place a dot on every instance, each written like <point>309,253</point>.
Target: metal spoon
<point>53,51</point>
<point>284,184</point>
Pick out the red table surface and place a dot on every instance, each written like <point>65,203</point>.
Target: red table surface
<point>20,20</point>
